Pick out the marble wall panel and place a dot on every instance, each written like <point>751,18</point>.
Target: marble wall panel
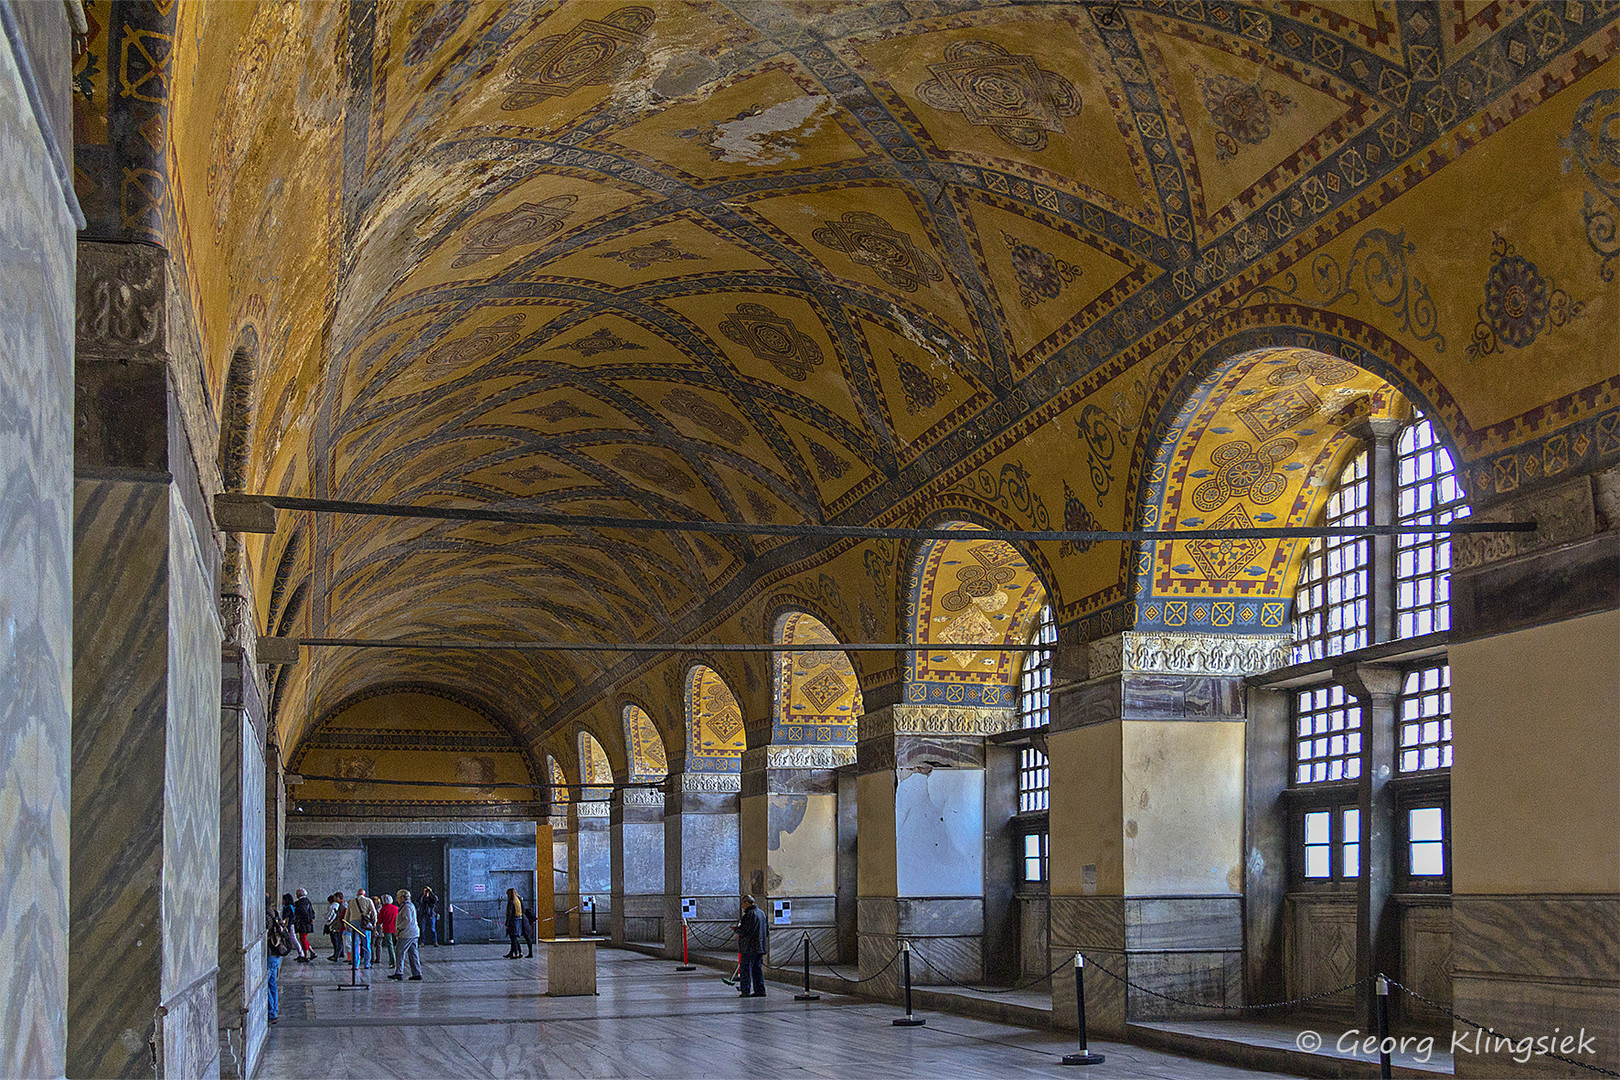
<point>36,501</point>
<point>595,857</point>
<point>939,832</point>
<point>802,838</point>
<point>324,871</point>
<point>643,859</point>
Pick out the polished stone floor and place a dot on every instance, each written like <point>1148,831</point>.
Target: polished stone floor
<point>476,1014</point>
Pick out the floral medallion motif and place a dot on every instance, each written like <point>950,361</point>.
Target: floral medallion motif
<point>871,241</point>
<point>595,52</point>
<point>1240,469</point>
<point>1594,144</point>
<point>922,390</point>
<point>1077,517</point>
<point>644,255</point>
<point>771,337</point>
<point>723,425</point>
<point>526,224</point>
<point>1519,303</point>
<point>1242,111</point>
<point>1327,370</point>
<point>829,466</point>
<point>600,341</point>
<point>654,470</point>
<point>430,25</point>
<point>456,356</point>
<point>1040,276</point>
<point>1012,95</point>
<point>1225,558</point>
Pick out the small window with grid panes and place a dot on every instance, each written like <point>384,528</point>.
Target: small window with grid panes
<point>1327,735</point>
<point>1427,493</point>
<point>1331,844</point>
<point>1331,611</point>
<point>1424,723</point>
<point>1034,710</point>
<point>1034,856</point>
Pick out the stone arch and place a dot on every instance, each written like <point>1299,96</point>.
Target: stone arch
<point>714,722</point>
<point>816,696</point>
<point>595,767</point>
<point>236,410</point>
<point>968,592</point>
<point>644,744</point>
<point>1247,438</point>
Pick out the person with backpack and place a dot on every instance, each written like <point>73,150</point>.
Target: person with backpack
<point>277,944</point>
<point>362,920</point>
<point>336,924</point>
<point>303,924</point>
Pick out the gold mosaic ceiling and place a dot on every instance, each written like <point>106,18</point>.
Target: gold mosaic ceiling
<point>818,262</point>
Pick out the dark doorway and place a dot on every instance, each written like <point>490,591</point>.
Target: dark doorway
<point>392,865</point>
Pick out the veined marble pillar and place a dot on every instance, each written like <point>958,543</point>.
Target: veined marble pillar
<point>595,863</point>
<point>788,843</point>
<point>561,876</point>
<point>1147,796</point>
<point>921,808</point>
<point>243,978</point>
<point>700,857</point>
<point>636,831</point>
<point>571,842</point>
<point>36,539</point>
<point>1534,801</point>
<point>146,693</point>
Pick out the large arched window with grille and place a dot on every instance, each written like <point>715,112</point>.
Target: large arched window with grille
<point>1427,493</point>
<point>1331,609</point>
<point>1034,711</point>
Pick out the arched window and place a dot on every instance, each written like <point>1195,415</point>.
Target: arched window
<point>1035,710</point>
<point>1427,493</point>
<point>1331,613</point>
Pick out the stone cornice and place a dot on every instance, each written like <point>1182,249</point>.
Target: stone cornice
<point>1188,654</point>
<point>643,797</point>
<point>968,720</point>
<point>720,783</point>
<point>797,757</point>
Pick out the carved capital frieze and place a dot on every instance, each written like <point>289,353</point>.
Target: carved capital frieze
<point>797,757</point>
<point>643,797</point>
<point>1563,515</point>
<point>713,783</point>
<point>968,720</point>
<point>1200,654</point>
<point>592,809</point>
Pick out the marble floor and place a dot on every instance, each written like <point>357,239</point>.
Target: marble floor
<point>476,1014</point>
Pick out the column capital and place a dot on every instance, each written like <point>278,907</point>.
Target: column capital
<point>1171,653</point>
<point>702,783</point>
<point>1370,682</point>
<point>968,720</point>
<point>813,756</point>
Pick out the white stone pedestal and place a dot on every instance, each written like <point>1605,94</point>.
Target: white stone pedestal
<point>570,966</point>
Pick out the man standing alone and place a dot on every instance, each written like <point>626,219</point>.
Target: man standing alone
<point>753,941</point>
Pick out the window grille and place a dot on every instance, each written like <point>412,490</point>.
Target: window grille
<point>1331,610</point>
<point>1427,493</point>
<point>1327,735</point>
<point>1034,710</point>
<point>1425,719</point>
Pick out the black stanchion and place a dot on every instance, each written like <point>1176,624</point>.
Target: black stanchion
<point>807,995</point>
<point>354,982</point>
<point>1085,1056</point>
<point>1382,1008</point>
<point>907,1020</point>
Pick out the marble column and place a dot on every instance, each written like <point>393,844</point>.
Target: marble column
<point>700,857</point>
<point>1378,945</point>
<point>595,863</point>
<point>545,882</point>
<point>571,843</point>
<point>275,820</point>
<point>38,216</point>
<point>1146,751</point>
<point>243,977</point>
<point>788,843</point>
<point>1535,805</point>
<point>145,849</point>
<point>636,832</point>
<point>921,808</point>
<point>561,876</point>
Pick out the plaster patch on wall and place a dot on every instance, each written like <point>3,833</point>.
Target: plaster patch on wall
<point>768,136</point>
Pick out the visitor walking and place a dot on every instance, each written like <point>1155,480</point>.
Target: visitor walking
<point>362,920</point>
<point>753,942</point>
<point>336,924</point>
<point>387,924</point>
<point>405,939</point>
<point>303,924</point>
<point>515,925</point>
<point>427,911</point>
<point>277,944</point>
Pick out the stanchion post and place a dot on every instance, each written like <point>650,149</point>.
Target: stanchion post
<point>1085,1056</point>
<point>807,995</point>
<point>354,964</point>
<point>1383,1027</point>
<point>686,955</point>
<point>905,959</point>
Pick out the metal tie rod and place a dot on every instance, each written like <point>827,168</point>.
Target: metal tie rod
<point>256,514</point>
<point>639,646</point>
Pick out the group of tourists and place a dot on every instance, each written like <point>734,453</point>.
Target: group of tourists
<point>360,922</point>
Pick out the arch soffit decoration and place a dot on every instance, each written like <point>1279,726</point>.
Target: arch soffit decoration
<point>648,757</point>
<point>816,696</point>
<point>714,721</point>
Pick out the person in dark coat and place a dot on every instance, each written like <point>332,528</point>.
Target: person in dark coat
<point>753,942</point>
<point>303,924</point>
<point>427,915</point>
<point>515,927</point>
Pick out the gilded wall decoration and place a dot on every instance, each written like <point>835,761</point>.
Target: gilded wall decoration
<point>922,389</point>
<point>641,256</point>
<point>1225,558</point>
<point>870,241</point>
<point>594,767</point>
<point>527,224</point>
<point>981,582</point>
<point>714,723</point>
<point>1520,302</point>
<point>1326,370</point>
<point>1594,143</point>
<point>829,466</point>
<point>647,757</point>
<point>1014,96</point>
<point>1097,429</point>
<point>595,52</point>
<point>558,411</point>
<point>712,418</point>
<point>1379,263</point>
<point>430,24</point>
<point>654,469</point>
<point>600,341</point>
<point>1241,111</point>
<point>560,791</point>
<point>1280,411</point>
<point>353,769</point>
<point>1241,469</point>
<point>1040,276</point>
<point>773,338</point>
<point>1010,490</point>
<point>817,693</point>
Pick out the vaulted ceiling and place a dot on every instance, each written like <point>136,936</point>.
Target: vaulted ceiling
<point>771,262</point>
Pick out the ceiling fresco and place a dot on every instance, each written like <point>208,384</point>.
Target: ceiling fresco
<point>647,758</point>
<point>817,694</point>
<point>833,262</point>
<point>412,737</point>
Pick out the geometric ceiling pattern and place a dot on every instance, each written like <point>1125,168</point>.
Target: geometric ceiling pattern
<point>829,263</point>
<point>817,694</point>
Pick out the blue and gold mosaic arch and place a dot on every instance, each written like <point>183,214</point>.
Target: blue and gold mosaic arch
<point>714,723</point>
<point>817,694</point>
<point>648,761</point>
